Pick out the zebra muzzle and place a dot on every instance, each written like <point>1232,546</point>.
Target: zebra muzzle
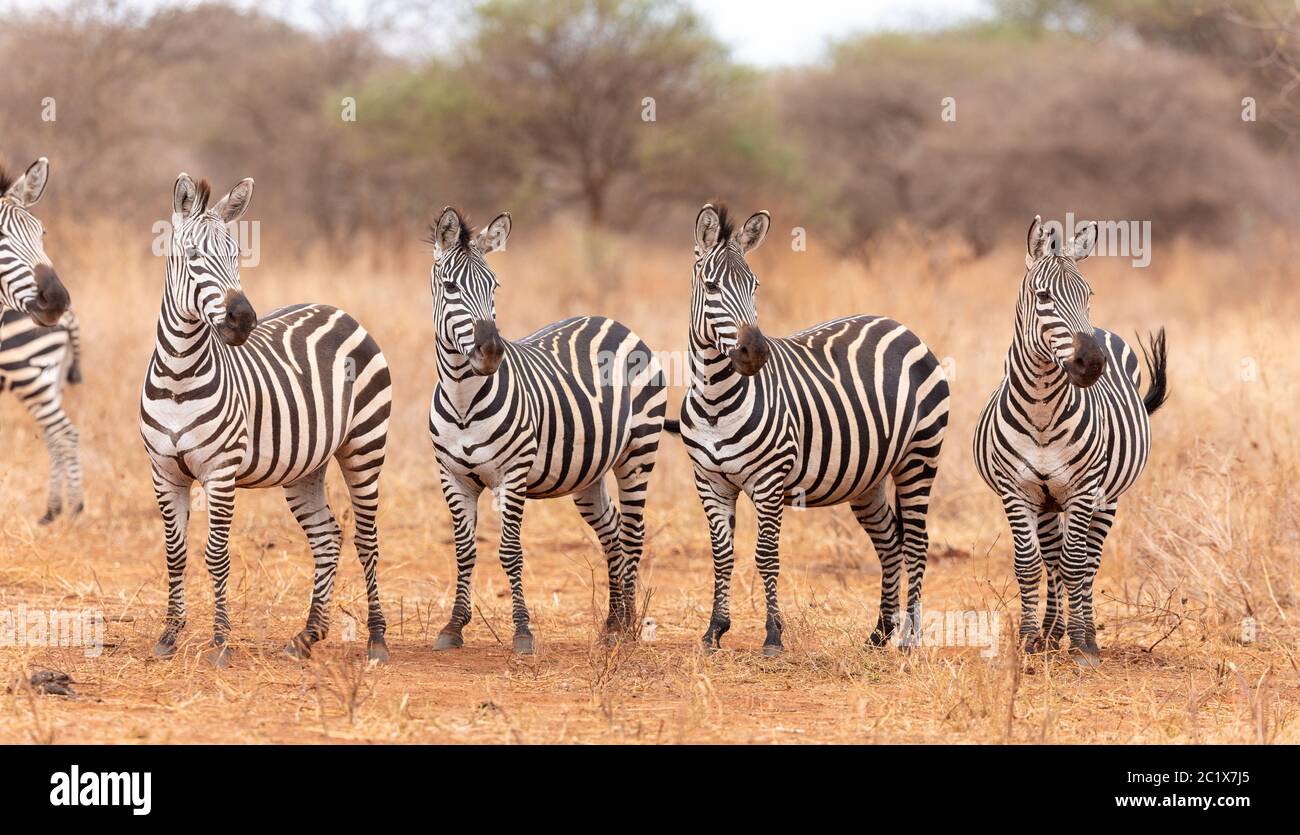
<point>51,300</point>
<point>489,349</point>
<point>239,321</point>
<point>751,351</point>
<point>1088,363</point>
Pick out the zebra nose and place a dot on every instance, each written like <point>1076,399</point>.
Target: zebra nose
<point>751,351</point>
<point>51,300</point>
<point>240,319</point>
<point>489,348</point>
<point>1088,362</point>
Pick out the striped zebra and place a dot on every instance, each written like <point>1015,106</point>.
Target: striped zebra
<point>231,401</point>
<point>545,416</point>
<point>34,363</point>
<point>28,282</point>
<point>1064,435</point>
<point>820,418</point>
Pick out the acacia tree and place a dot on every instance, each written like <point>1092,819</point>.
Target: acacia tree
<point>564,85</point>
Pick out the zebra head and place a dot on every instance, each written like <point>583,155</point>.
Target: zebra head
<point>28,281</point>
<point>464,289</point>
<point>203,259</point>
<point>724,312</point>
<point>1054,304</point>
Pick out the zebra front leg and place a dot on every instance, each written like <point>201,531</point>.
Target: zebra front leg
<point>174,504</point>
<point>54,493</point>
<point>881,525</point>
<point>220,494</point>
<point>769,502</point>
<point>1102,520</point>
<point>1078,572</point>
<point>510,502</point>
<point>720,508</point>
<point>308,502</point>
<point>599,512</point>
<point>462,501</point>
<point>1029,567</point>
<point>361,472</point>
<point>1049,544</point>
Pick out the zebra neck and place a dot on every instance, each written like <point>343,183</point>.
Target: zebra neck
<point>187,353</point>
<point>461,387</point>
<point>714,380</point>
<point>1040,382</point>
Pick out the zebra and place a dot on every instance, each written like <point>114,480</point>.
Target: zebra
<point>28,281</point>
<point>1063,436</point>
<point>35,361</point>
<point>823,417</point>
<point>231,401</point>
<point>545,416</point>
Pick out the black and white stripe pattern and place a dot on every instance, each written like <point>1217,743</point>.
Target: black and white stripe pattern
<point>34,363</point>
<point>545,416</point>
<point>1064,435</point>
<point>28,282</point>
<point>823,417</point>
<point>230,401</point>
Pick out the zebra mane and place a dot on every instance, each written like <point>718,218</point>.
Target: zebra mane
<point>202,194</point>
<point>725,224</point>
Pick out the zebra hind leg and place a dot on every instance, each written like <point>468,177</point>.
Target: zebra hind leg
<point>881,525</point>
<point>361,472</point>
<point>633,477</point>
<point>308,502</point>
<point>913,479</point>
<point>599,512</point>
<point>1050,543</point>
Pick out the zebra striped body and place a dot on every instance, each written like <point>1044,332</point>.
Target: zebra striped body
<point>546,416</point>
<point>1061,439</point>
<point>34,363</point>
<point>827,417</point>
<point>230,401</point>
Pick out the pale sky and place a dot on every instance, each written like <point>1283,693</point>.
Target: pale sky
<point>760,32</point>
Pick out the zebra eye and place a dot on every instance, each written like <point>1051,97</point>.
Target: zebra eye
<point>1044,296</point>
<point>191,252</point>
<point>448,286</point>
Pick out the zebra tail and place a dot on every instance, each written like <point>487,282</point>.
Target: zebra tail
<point>1157,367</point>
<point>673,427</point>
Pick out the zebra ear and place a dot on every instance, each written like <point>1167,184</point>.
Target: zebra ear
<point>183,196</point>
<point>1084,241</point>
<point>446,232</point>
<point>754,231</point>
<point>493,237</point>
<point>707,227</point>
<point>1035,241</point>
<point>28,188</point>
<point>234,204</point>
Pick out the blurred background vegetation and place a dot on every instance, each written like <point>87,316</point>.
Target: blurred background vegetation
<point>1107,108</point>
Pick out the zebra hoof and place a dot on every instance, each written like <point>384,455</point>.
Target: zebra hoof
<point>1086,657</point>
<point>524,645</point>
<point>297,650</point>
<point>1032,644</point>
<point>164,649</point>
<point>377,651</point>
<point>47,519</point>
<point>878,640</point>
<point>772,650</point>
<point>448,640</point>
<point>218,656</point>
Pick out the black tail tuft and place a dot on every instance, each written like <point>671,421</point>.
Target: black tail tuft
<point>1157,366</point>
<point>673,427</point>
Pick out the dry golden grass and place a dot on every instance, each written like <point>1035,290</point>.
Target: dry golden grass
<point>1208,537</point>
